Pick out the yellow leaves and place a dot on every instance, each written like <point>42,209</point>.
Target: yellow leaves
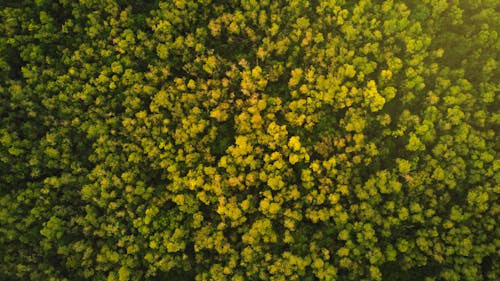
<point>257,72</point>
<point>455,115</point>
<point>197,219</point>
<point>123,274</point>
<point>438,174</point>
<point>318,215</point>
<point>253,81</point>
<point>246,204</point>
<point>275,182</point>
<point>318,263</point>
<point>307,179</point>
<point>221,112</point>
<point>402,245</point>
<point>403,214</point>
<point>294,143</point>
<point>384,120</point>
<point>116,67</point>
<point>49,151</point>
<point>404,166</point>
<point>215,28</point>
<point>194,183</point>
<point>288,238</point>
<point>291,217</point>
<point>414,143</point>
<point>307,38</point>
<point>479,199</point>
<point>343,252</point>
<point>299,153</point>
<point>341,217</point>
<point>235,182</point>
<point>294,193</point>
<point>209,171</point>
<point>333,198</point>
<point>341,97</point>
<point>232,211</point>
<point>178,199</point>
<point>243,123</point>
<point>261,104</point>
<point>415,207</point>
<point>318,38</point>
<point>315,167</point>
<point>257,121</point>
<point>423,244</point>
<point>343,235</point>
<point>278,133</point>
<point>413,46</point>
<point>261,230</point>
<point>343,189</point>
<point>173,242</point>
<point>150,213</point>
<point>251,178</point>
<point>274,29</point>
<point>191,84</point>
<point>264,205</point>
<point>349,70</point>
<point>210,64</point>
<point>395,64</point>
<point>294,158</point>
<point>242,147</point>
<point>295,119</point>
<point>386,74</point>
<point>395,186</point>
<point>233,28</point>
<point>302,23</point>
<point>372,97</point>
<point>439,52</point>
<point>161,99</point>
<point>274,208</point>
<point>375,273</point>
<point>296,77</point>
<point>153,244</point>
<point>311,75</point>
<point>162,51</point>
<point>267,207</point>
<point>354,122</point>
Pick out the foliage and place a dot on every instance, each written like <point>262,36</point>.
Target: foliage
<point>249,140</point>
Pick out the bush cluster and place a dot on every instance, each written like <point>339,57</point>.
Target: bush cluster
<point>249,140</point>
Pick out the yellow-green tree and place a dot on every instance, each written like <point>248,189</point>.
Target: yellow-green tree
<point>249,140</point>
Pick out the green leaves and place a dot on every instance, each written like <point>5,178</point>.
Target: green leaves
<point>250,140</point>
<point>414,143</point>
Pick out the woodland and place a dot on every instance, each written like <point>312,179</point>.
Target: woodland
<point>249,140</point>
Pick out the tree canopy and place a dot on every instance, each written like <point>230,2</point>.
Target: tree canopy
<point>249,140</point>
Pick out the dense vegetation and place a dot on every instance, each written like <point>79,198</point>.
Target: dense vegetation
<point>249,140</point>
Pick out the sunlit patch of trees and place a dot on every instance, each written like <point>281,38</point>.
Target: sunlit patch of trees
<point>249,140</point>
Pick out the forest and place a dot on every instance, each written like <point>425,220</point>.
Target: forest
<point>249,140</point>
